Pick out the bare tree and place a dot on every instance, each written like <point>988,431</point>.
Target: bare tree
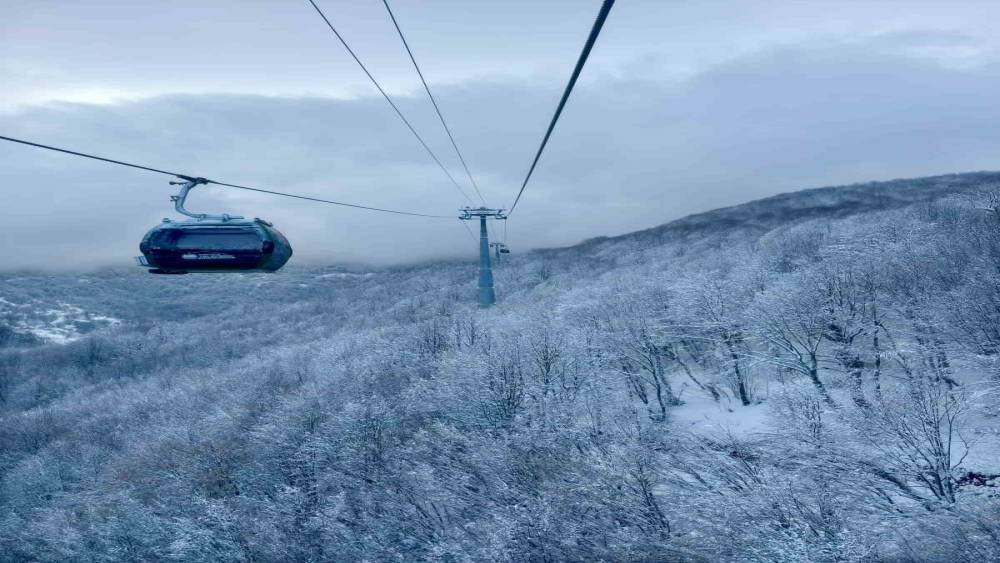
<point>793,318</point>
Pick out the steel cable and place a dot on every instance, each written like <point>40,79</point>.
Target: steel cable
<point>224,184</point>
<point>587,47</point>
<point>437,109</point>
<point>388,99</point>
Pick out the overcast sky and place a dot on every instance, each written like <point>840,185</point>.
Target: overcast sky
<point>684,107</point>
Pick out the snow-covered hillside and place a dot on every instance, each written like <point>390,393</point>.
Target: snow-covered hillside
<point>810,377</point>
<point>57,322</point>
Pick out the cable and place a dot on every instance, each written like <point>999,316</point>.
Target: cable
<point>433,101</point>
<point>474,237</point>
<point>187,177</point>
<point>101,158</point>
<point>307,198</point>
<point>388,99</point>
<point>594,32</point>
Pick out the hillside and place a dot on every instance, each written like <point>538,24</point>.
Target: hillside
<point>808,377</point>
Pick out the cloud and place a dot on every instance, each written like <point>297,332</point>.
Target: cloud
<point>631,152</point>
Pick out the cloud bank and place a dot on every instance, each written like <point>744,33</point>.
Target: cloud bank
<point>633,150</point>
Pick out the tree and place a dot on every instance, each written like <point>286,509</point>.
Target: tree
<point>792,318</point>
<point>638,350</point>
<point>711,309</point>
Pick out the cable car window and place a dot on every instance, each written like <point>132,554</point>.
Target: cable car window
<point>229,239</point>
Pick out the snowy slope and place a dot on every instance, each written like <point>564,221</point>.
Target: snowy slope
<point>646,397</point>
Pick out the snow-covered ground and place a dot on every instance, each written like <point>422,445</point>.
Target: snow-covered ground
<point>702,415</point>
<point>57,323</point>
<point>344,276</point>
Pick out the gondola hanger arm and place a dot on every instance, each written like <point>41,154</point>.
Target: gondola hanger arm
<point>181,196</point>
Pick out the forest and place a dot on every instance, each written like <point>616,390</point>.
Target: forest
<point>811,377</point>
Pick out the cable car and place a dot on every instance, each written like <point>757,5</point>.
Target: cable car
<point>212,243</point>
<point>499,248</point>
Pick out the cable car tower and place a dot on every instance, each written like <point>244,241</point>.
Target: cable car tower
<point>487,294</point>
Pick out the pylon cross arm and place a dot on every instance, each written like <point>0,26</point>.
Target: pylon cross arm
<point>469,213</point>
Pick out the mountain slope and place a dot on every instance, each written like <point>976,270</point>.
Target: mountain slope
<point>740,385</point>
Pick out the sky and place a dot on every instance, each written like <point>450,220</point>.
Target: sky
<point>682,108</point>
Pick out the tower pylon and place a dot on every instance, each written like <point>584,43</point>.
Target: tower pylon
<point>487,293</point>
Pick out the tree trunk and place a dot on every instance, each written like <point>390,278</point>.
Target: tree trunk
<point>659,374</point>
<point>741,385</point>
<point>690,375</point>
<point>877,366</point>
<point>814,377</point>
<point>855,367</point>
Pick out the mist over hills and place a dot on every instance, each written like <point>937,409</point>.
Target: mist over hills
<point>807,377</point>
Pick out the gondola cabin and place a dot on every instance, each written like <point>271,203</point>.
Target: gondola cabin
<point>214,246</point>
<point>212,243</point>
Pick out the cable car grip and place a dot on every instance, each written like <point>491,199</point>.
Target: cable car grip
<point>179,199</point>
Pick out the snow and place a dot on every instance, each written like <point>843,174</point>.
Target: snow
<point>702,415</point>
<point>55,335</point>
<point>8,303</point>
<point>344,275</point>
<point>60,324</point>
<point>984,440</point>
